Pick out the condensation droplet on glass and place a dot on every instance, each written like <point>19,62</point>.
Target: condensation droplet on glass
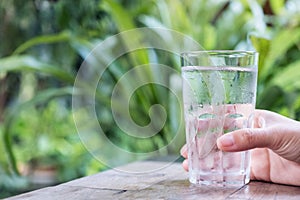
<point>235,115</point>
<point>200,105</point>
<point>191,108</point>
<point>207,116</point>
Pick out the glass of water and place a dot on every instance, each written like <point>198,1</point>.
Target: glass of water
<point>219,94</point>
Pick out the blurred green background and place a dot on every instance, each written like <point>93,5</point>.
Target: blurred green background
<point>43,43</point>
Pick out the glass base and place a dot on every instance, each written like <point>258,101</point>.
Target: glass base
<point>219,180</point>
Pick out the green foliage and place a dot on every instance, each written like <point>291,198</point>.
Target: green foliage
<point>279,64</point>
<point>44,42</point>
<point>46,137</point>
<point>29,63</point>
<point>49,137</point>
<point>10,118</point>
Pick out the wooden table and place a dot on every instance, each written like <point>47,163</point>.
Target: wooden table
<point>162,181</point>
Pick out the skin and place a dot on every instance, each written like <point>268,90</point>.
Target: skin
<point>275,147</point>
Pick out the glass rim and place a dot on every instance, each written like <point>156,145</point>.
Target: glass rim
<point>218,52</point>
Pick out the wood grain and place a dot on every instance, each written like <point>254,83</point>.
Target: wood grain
<point>156,180</point>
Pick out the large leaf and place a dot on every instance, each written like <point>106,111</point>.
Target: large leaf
<point>269,97</point>
<point>279,45</point>
<point>80,45</point>
<point>45,39</point>
<point>277,6</point>
<point>29,63</point>
<point>124,22</point>
<point>288,78</point>
<point>262,46</point>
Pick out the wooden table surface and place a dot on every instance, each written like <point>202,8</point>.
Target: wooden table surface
<point>162,181</point>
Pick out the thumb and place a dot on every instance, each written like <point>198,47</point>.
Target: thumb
<point>244,139</point>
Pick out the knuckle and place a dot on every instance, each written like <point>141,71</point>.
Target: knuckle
<point>249,138</point>
<point>257,138</point>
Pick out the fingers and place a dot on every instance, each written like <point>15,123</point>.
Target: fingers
<point>244,139</point>
<point>287,141</point>
<point>185,165</point>
<point>261,136</point>
<point>259,119</point>
<point>264,118</point>
<point>272,131</point>
<point>183,151</point>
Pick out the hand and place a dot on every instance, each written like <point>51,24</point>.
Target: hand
<point>275,144</point>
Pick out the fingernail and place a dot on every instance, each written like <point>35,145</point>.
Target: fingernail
<point>226,140</point>
<point>261,122</point>
<point>183,151</point>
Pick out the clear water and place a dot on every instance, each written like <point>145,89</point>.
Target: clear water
<point>217,102</point>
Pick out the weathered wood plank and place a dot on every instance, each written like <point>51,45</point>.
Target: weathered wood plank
<point>178,189</point>
<point>68,192</point>
<point>261,190</point>
<point>156,180</point>
<point>146,174</point>
<point>182,189</point>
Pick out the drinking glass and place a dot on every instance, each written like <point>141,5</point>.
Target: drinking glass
<point>219,94</point>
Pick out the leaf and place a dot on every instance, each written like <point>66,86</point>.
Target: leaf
<point>180,18</point>
<point>269,97</point>
<point>132,38</point>
<point>164,13</point>
<point>83,47</point>
<point>277,6</point>
<point>124,22</point>
<point>45,39</point>
<point>29,63</point>
<point>121,16</point>
<point>210,40</point>
<point>80,45</point>
<point>262,46</point>
<point>288,78</point>
<point>279,45</point>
